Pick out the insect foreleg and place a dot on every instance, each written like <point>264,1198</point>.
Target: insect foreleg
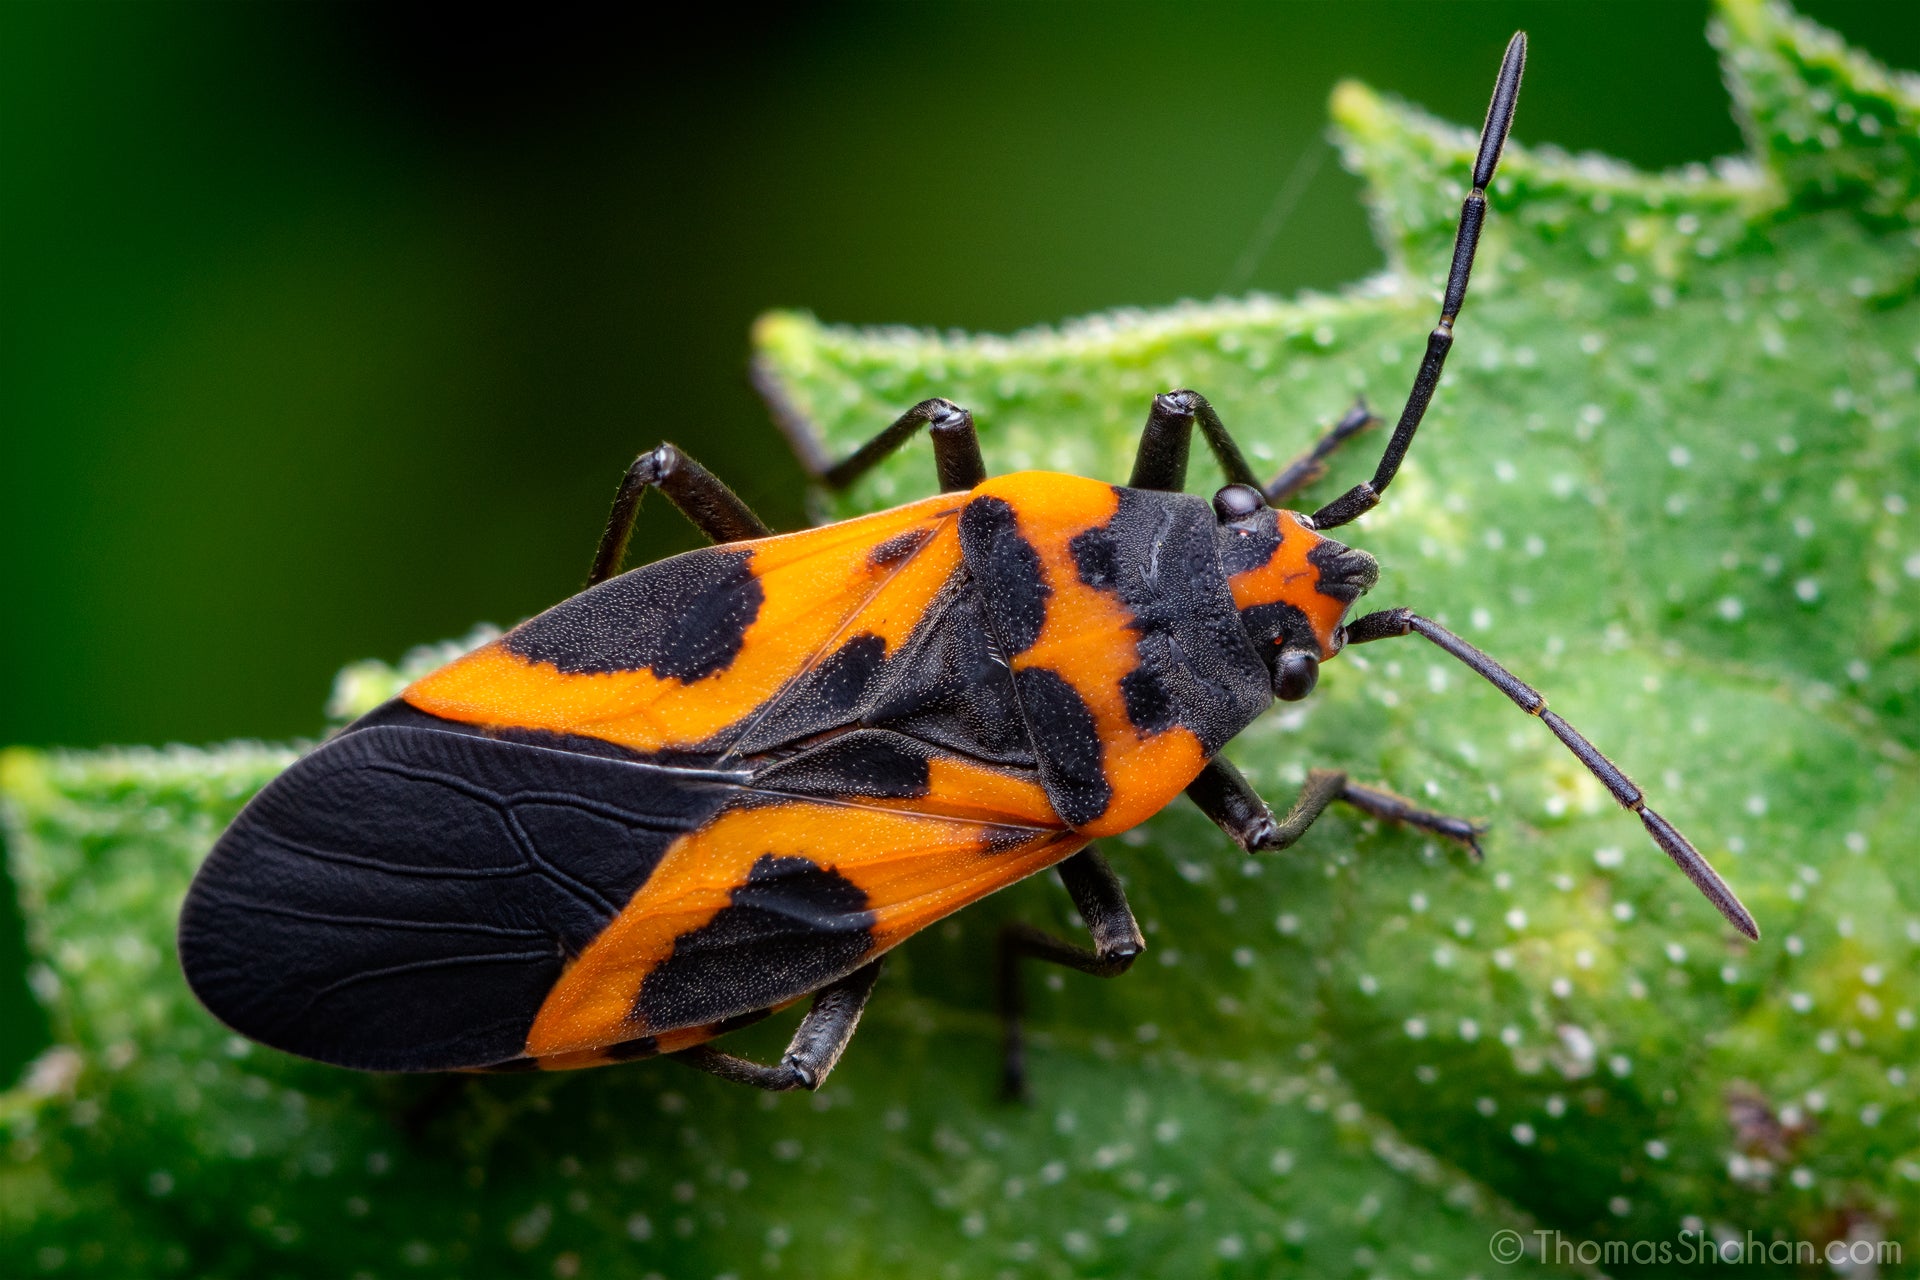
<point>1117,942</point>
<point>1312,464</point>
<point>816,1046</point>
<point>1160,462</point>
<point>1230,800</point>
<point>702,497</point>
<point>1385,804</point>
<point>1224,794</point>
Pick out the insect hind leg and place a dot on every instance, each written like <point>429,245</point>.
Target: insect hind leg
<point>1117,943</point>
<point>817,1043</point>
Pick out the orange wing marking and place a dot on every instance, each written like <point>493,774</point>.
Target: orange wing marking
<point>890,610</point>
<point>914,869</point>
<point>817,585</point>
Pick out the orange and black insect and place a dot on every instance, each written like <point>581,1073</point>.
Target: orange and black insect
<point>704,789</point>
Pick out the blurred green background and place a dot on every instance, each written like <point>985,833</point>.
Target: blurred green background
<point>328,329</point>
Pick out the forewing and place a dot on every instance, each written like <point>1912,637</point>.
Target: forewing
<point>830,859</point>
<point>404,898</point>
<point>415,899</point>
<point>689,652</point>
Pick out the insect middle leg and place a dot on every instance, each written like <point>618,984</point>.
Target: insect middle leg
<point>816,1046</point>
<point>1165,443</point>
<point>956,446</point>
<point>1224,795</point>
<point>1117,943</point>
<point>702,497</point>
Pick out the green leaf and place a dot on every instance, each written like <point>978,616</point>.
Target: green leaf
<point>1667,478</point>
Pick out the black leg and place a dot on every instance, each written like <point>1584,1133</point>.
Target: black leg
<point>1399,622</point>
<point>1385,804</point>
<point>702,497</point>
<point>956,446</point>
<point>1161,460</point>
<point>1117,942</point>
<point>793,423</point>
<point>816,1045</point>
<point>1224,795</point>
<point>1493,136</point>
<point>1312,464</point>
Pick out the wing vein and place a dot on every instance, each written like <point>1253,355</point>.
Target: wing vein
<point>868,806</point>
<point>376,864</point>
<point>416,966</point>
<point>378,922</point>
<point>503,807</point>
<point>792,682</point>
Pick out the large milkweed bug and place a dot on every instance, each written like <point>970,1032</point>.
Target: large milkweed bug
<point>703,789</point>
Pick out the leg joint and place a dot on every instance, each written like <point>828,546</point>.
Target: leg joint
<point>1178,403</point>
<point>656,465</point>
<point>943,415</point>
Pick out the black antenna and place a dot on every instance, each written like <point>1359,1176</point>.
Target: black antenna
<point>1493,136</point>
<point>1399,622</point>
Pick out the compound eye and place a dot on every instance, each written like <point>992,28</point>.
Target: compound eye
<point>1297,675</point>
<point>1237,502</point>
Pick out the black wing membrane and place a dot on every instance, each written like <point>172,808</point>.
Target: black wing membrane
<point>404,898</point>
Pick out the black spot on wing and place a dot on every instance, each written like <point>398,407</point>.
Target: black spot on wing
<point>946,685</point>
<point>898,548</point>
<point>1150,704</point>
<point>866,764</point>
<point>1068,744</point>
<point>682,618</point>
<point>403,899</point>
<point>1007,568</point>
<point>791,928</point>
<point>949,685</point>
<point>825,698</point>
<point>841,680</point>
